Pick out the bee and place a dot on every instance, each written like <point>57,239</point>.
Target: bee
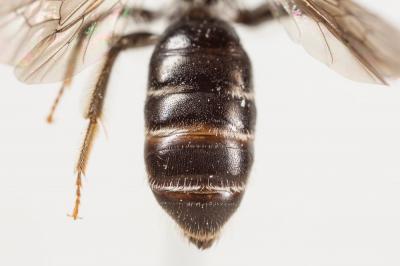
<point>200,112</point>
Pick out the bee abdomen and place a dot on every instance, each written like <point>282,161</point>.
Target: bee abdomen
<point>200,117</point>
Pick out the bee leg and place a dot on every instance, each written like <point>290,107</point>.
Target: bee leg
<point>71,66</point>
<point>256,16</point>
<point>67,77</point>
<point>143,15</point>
<point>93,114</point>
<point>138,14</point>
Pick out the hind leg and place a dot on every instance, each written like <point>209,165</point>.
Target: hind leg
<point>255,16</point>
<point>137,14</point>
<point>93,114</point>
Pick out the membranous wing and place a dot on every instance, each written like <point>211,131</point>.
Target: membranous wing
<point>345,36</point>
<point>38,36</point>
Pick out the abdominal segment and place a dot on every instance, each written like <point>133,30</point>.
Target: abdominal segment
<point>199,178</point>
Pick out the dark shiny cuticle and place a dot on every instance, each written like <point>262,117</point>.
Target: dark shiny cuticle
<point>200,118</point>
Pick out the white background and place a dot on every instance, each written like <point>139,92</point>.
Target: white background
<point>325,188</point>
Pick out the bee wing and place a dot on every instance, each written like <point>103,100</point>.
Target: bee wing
<point>345,36</point>
<point>37,36</point>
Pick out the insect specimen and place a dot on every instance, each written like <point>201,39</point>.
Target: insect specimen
<point>200,112</point>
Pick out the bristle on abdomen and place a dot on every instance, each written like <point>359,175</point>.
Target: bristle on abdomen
<point>199,179</point>
<point>200,118</point>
